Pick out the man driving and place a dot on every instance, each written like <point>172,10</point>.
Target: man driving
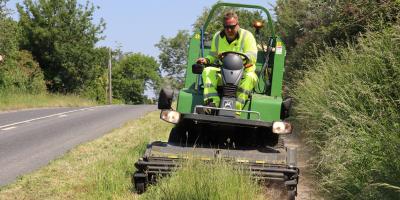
<point>232,38</point>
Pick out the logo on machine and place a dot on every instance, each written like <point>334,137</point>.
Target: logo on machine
<point>228,104</point>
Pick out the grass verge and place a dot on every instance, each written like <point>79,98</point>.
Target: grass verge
<point>349,106</point>
<point>15,101</point>
<point>100,169</point>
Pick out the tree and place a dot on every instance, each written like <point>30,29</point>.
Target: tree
<point>3,9</point>
<point>61,36</point>
<point>18,70</point>
<point>174,52</point>
<point>96,83</point>
<point>132,75</point>
<point>9,32</point>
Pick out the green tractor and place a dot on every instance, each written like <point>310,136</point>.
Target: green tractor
<point>254,140</point>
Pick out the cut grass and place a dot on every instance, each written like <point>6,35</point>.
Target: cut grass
<point>17,101</point>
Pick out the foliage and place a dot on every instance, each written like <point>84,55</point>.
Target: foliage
<point>131,75</point>
<point>3,9</point>
<point>307,27</point>
<point>61,36</point>
<point>213,180</point>
<point>349,105</point>
<point>9,33</point>
<point>347,98</point>
<point>14,75</point>
<point>22,75</point>
<point>173,55</point>
<point>96,82</point>
<point>18,71</point>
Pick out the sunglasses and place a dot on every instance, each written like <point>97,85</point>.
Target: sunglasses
<point>230,26</point>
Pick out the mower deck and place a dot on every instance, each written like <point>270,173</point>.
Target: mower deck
<point>161,159</point>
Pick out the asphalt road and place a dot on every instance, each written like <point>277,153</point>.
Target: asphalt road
<point>30,139</point>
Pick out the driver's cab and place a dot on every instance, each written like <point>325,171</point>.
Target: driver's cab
<point>267,94</point>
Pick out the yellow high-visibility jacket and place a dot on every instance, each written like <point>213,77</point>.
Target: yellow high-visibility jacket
<point>244,43</point>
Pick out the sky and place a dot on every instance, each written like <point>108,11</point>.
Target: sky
<point>136,26</point>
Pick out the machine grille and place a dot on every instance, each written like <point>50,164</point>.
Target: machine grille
<point>229,90</point>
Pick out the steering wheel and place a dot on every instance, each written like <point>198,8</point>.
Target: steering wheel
<point>244,57</point>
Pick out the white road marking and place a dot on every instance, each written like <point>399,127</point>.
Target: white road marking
<point>48,116</point>
<point>62,116</point>
<point>9,128</point>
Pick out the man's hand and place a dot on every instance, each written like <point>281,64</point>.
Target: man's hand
<point>248,65</point>
<point>202,61</point>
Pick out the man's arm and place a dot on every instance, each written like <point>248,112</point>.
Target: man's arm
<point>250,47</point>
<point>213,52</point>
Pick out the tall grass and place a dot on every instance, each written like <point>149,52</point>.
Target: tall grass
<point>12,100</point>
<point>111,178</point>
<point>349,110</point>
<point>208,181</point>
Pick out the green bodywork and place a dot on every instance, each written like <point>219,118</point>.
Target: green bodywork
<point>267,104</point>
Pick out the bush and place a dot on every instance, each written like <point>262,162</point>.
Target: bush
<point>307,27</point>
<point>22,75</point>
<point>96,89</point>
<point>348,105</point>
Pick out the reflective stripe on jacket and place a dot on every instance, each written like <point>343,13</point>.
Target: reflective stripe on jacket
<point>245,43</point>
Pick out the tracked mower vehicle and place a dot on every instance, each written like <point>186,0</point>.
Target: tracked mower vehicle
<point>254,139</point>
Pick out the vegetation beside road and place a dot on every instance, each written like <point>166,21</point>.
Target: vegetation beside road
<point>349,104</point>
<point>344,63</point>
<point>17,101</point>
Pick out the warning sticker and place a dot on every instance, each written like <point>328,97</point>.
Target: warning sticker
<point>278,48</point>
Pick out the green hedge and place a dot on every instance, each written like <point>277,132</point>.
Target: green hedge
<point>22,74</point>
<point>349,108</point>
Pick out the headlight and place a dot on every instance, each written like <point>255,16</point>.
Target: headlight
<point>170,116</point>
<point>281,128</point>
